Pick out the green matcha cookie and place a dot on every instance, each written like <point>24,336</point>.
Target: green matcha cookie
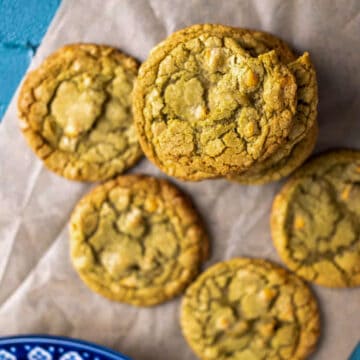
<point>250,309</point>
<point>137,239</point>
<point>303,135</point>
<point>315,220</point>
<point>75,112</point>
<point>213,100</point>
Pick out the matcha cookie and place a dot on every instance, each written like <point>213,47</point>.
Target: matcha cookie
<point>213,100</point>
<point>315,220</point>
<point>137,239</point>
<point>247,309</point>
<point>75,112</point>
<point>303,135</point>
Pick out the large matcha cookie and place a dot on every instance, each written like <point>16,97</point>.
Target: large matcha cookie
<point>76,112</point>
<point>137,239</point>
<point>303,135</point>
<point>213,100</point>
<point>316,220</point>
<point>249,309</point>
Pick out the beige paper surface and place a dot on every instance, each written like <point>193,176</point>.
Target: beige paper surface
<point>39,290</point>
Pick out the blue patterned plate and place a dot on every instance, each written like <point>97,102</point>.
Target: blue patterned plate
<point>44,347</point>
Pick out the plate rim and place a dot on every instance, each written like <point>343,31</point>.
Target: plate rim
<point>64,340</point>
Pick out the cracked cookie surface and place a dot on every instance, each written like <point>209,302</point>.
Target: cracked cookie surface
<point>315,220</point>
<point>137,239</point>
<point>212,99</point>
<point>246,309</point>
<point>302,138</point>
<point>273,170</point>
<point>75,112</point>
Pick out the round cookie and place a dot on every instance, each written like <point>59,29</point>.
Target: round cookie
<point>75,112</point>
<point>212,99</point>
<point>249,309</point>
<point>303,135</point>
<point>273,171</point>
<point>137,239</point>
<point>315,220</point>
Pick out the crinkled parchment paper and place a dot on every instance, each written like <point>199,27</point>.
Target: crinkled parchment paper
<point>39,290</point>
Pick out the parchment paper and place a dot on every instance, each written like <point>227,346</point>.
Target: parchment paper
<point>39,290</point>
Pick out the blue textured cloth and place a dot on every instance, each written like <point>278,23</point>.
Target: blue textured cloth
<point>356,354</point>
<point>23,25</point>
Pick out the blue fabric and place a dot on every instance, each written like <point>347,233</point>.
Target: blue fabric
<point>23,25</point>
<point>356,354</point>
